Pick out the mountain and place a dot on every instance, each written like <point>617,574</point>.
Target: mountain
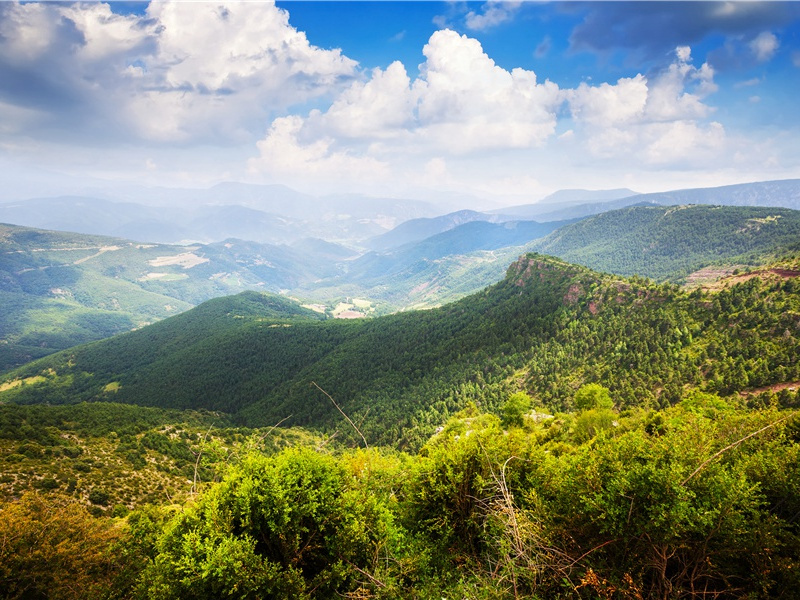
<point>549,327</point>
<point>161,224</point>
<point>93,216</point>
<point>570,201</point>
<point>672,242</point>
<point>416,230</point>
<point>59,289</point>
<point>263,213</point>
<point>781,193</point>
<point>441,268</point>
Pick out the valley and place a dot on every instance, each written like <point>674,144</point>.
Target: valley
<point>286,410</point>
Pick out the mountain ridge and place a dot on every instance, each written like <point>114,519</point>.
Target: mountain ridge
<point>549,326</point>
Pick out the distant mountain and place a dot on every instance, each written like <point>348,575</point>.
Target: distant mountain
<point>267,214</point>
<point>441,268</point>
<point>672,242</point>
<point>161,224</point>
<point>91,216</point>
<point>782,193</point>
<point>580,211</point>
<point>59,289</point>
<point>564,199</point>
<point>416,230</point>
<point>328,250</point>
<point>462,239</point>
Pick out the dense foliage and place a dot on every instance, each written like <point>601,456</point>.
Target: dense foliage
<point>670,242</point>
<point>62,289</point>
<point>114,457</point>
<point>696,500</point>
<point>567,435</point>
<point>548,328</point>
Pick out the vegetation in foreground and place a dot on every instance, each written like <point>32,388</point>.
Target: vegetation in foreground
<point>696,500</point>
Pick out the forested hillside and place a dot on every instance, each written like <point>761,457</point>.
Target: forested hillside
<point>62,289</point>
<point>669,243</point>
<point>548,328</point>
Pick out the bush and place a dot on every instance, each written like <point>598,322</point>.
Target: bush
<point>275,527</point>
<point>98,496</point>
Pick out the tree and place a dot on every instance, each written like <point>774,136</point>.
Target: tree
<point>515,408</point>
<point>276,527</point>
<point>593,395</point>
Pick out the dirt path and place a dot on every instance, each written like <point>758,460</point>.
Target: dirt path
<point>102,250</point>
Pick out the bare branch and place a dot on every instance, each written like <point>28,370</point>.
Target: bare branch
<point>732,446</point>
<point>278,424</point>
<point>197,462</point>
<point>314,383</point>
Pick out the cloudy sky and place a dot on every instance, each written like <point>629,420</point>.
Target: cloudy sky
<point>497,100</point>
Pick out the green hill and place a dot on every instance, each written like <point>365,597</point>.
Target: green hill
<point>548,328</point>
<point>669,243</point>
<point>61,289</point>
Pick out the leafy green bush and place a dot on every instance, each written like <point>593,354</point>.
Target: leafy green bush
<point>284,527</point>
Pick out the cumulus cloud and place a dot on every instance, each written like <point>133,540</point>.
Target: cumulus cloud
<point>657,120</point>
<point>764,46</point>
<point>491,14</point>
<point>463,106</point>
<point>284,153</point>
<point>461,103</point>
<point>156,77</point>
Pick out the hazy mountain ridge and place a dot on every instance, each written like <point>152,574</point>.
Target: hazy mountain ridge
<point>416,230</point>
<point>780,193</point>
<point>59,289</point>
<point>566,202</point>
<point>268,214</point>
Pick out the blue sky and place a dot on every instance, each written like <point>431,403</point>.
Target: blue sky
<point>504,102</point>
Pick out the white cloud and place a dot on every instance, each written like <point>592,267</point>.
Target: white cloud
<point>492,13</point>
<point>158,77</point>
<point>284,154</point>
<point>380,108</point>
<point>462,103</point>
<point>682,142</point>
<point>667,99</point>
<point>747,83</point>
<point>764,46</point>
<point>656,120</point>
<point>463,123</point>
<point>464,113</point>
<point>610,105</point>
<point>468,103</point>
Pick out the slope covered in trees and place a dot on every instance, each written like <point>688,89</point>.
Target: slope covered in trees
<point>548,328</point>
<point>669,243</point>
<point>62,289</point>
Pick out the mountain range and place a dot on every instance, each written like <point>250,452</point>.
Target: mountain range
<point>549,324</point>
<point>60,289</point>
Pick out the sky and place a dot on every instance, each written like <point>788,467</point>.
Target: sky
<point>504,102</point>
